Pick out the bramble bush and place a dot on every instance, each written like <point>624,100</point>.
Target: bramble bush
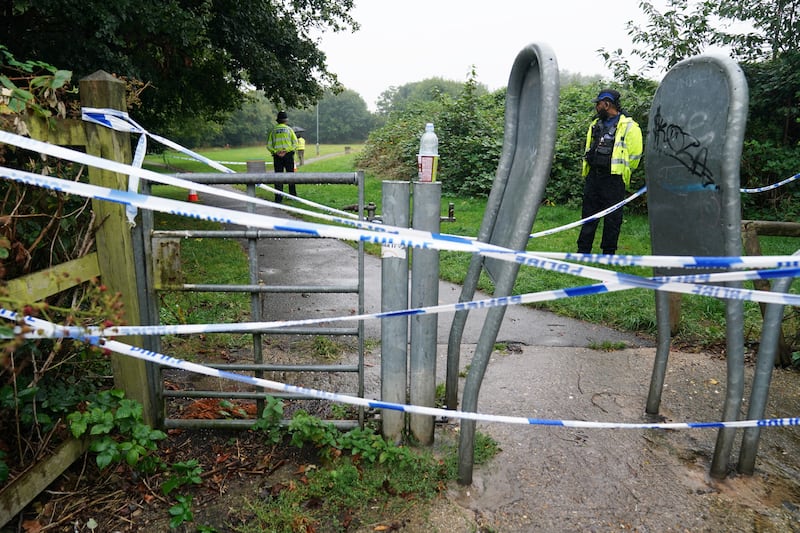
<point>470,128</point>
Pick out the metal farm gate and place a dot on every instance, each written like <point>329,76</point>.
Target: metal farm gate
<point>175,389</point>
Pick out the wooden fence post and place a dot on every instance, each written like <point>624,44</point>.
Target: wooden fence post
<point>114,235</point>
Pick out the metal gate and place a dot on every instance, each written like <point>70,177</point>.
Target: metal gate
<point>264,248</point>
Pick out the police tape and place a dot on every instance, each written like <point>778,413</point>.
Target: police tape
<point>640,192</point>
<point>596,216</point>
<point>114,166</point>
<point>93,333</point>
<point>771,187</point>
<point>424,240</point>
<point>172,362</point>
<point>411,235</point>
<point>181,158</point>
<point>121,121</point>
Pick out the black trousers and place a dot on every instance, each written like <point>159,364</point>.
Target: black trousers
<point>284,163</point>
<point>601,192</point>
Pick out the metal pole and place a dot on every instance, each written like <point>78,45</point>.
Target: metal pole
<point>317,128</point>
<point>394,297</point>
<point>256,298</point>
<point>770,331</point>
<point>427,198</point>
<point>662,353</point>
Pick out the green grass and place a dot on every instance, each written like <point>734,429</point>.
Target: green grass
<point>174,159</point>
<point>702,322</point>
<point>220,261</point>
<point>352,491</point>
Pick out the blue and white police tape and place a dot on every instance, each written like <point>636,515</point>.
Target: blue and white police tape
<point>680,261</point>
<point>637,194</point>
<point>181,158</point>
<point>613,260</point>
<point>121,121</point>
<point>771,187</point>
<point>92,333</point>
<point>172,362</point>
<point>424,240</point>
<point>596,216</point>
<point>114,166</point>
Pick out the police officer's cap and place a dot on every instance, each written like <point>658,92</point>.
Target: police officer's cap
<point>608,94</point>
<point>282,115</point>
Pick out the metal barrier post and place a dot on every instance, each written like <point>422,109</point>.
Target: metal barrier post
<point>765,362</point>
<point>394,297</point>
<point>517,191</point>
<point>692,155</point>
<point>427,198</point>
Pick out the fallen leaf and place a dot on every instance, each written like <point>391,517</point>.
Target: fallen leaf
<point>31,526</point>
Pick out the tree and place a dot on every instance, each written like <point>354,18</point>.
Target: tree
<point>689,27</point>
<point>343,118</point>
<point>194,55</point>
<point>427,90</point>
<point>769,54</point>
<point>470,131</point>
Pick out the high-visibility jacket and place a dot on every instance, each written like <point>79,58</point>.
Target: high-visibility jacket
<point>301,143</point>
<point>281,138</point>
<point>627,150</point>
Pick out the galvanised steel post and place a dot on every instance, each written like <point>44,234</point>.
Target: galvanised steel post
<point>427,197</point>
<point>394,297</point>
<point>767,349</point>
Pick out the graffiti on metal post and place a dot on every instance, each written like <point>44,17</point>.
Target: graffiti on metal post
<point>674,142</point>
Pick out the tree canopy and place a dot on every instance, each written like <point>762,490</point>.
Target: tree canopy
<point>343,118</point>
<point>193,56</point>
<point>427,90</point>
<point>762,35</point>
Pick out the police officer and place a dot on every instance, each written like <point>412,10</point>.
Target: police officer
<point>613,150</point>
<point>282,143</point>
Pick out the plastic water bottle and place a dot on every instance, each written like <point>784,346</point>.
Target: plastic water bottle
<point>428,157</point>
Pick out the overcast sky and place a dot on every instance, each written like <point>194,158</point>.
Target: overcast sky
<point>402,41</point>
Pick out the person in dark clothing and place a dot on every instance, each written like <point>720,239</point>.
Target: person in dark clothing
<point>613,151</point>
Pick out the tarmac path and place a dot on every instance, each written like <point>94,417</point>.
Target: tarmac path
<point>559,479</point>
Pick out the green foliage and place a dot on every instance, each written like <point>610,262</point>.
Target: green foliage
<point>32,86</point>
<point>470,140</point>
<point>270,421</point>
<point>470,133</point>
<point>343,118</point>
<point>181,512</point>
<point>116,431</point>
<point>185,473</point>
<point>40,405</point>
<point>193,56</point>
<point>345,487</point>
<point>765,163</point>
<point>398,99</point>
<point>391,151</point>
<point>770,59</point>
<point>307,429</point>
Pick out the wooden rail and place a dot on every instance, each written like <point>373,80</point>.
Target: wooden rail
<point>113,263</point>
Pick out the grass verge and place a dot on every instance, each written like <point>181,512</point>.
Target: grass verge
<point>702,323</point>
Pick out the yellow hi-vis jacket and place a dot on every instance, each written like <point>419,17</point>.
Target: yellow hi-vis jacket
<point>627,150</point>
